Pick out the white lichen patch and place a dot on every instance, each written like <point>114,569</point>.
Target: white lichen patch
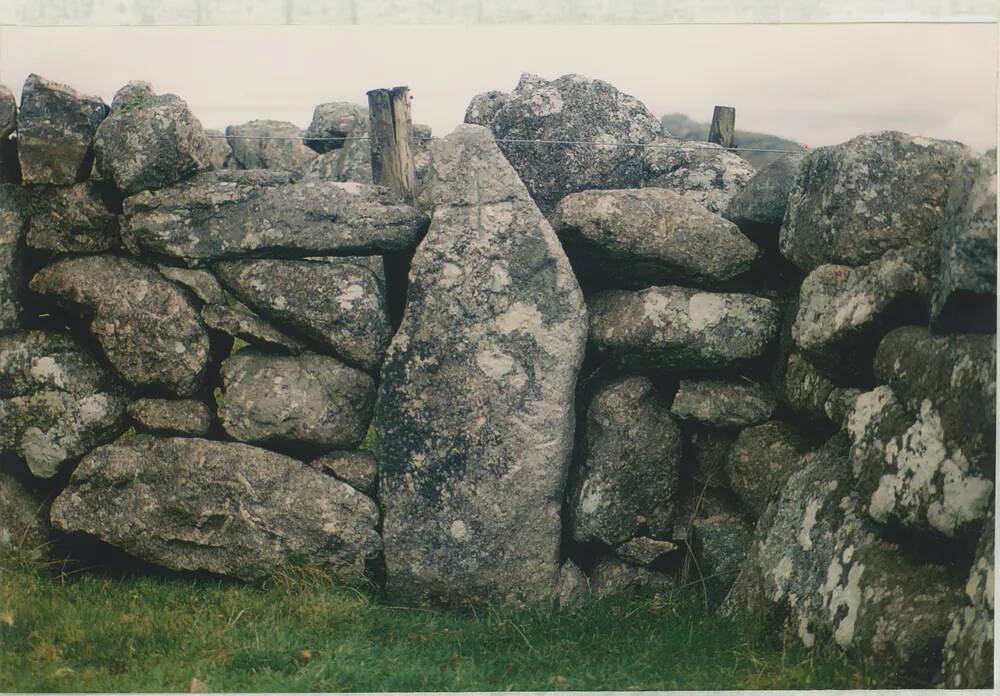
<point>848,596</point>
<point>705,310</point>
<point>808,522</point>
<point>350,295</point>
<point>654,308</point>
<point>493,363</point>
<point>856,311</point>
<point>459,531</point>
<point>781,574</point>
<point>47,370</point>
<point>808,637</point>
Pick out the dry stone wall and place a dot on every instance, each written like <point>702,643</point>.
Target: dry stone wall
<point>570,367</point>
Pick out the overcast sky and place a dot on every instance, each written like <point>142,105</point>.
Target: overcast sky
<point>818,84</point>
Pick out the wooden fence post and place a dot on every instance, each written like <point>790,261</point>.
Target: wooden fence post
<point>392,153</point>
<point>723,126</point>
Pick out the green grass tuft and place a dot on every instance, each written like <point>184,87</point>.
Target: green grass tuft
<point>90,631</point>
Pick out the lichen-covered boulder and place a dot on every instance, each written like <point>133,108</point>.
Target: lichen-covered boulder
<point>72,219</point>
<point>722,403</point>
<point>337,303</point>
<point>844,311</point>
<point>55,132</point>
<point>967,658</point>
<point>308,399</point>
<point>475,413</point>
<point>484,107</point>
<point>805,388</point>
<point>956,375</point>
<point>243,324</point>
<point>611,578</point>
<point>572,108</point>
<point>634,238</point>
<point>232,213</point>
<point>131,95</point>
<point>853,202</point>
<point>56,401</point>
<point>222,507</point>
<point>355,467</point>
<point>181,417</point>
<point>150,142</point>
<point>202,284</point>
<point>965,291</point>
<point>13,229</point>
<point>268,145</point>
<point>10,170</point>
<point>759,209</point>
<point>817,562</point>
<point>704,173</point>
<point>147,327</point>
<point>760,462</point>
<point>673,328</point>
<point>627,478</point>
<point>907,472</point>
<point>333,121</point>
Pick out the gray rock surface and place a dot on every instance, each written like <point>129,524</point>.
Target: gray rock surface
<point>55,132</point>
<point>355,467</point>
<point>611,578</point>
<point>908,475</point>
<point>337,303</point>
<point>147,327</point>
<point>707,452</point>
<point>806,389</point>
<point>719,545</point>
<point>155,142</point>
<point>475,414</point>
<point>13,230</point>
<point>673,328</point>
<point>574,108</point>
<point>759,209</point>
<point>131,95</point>
<point>722,403</point>
<point>704,173</point>
<point>965,291</point>
<point>217,215</point>
<point>56,401</point>
<point>220,154</point>
<point>71,219</point>
<point>221,507</point>
<point>967,658</point>
<point>484,107</point>
<point>10,169</point>
<point>760,462</point>
<point>334,120</point>
<point>855,201</point>
<point>634,238</point>
<point>181,417</point>
<point>573,586</point>
<point>24,520</point>
<point>309,399</point>
<point>643,551</point>
<point>627,476</point>
<point>202,283</point>
<point>247,326</point>
<point>266,144</point>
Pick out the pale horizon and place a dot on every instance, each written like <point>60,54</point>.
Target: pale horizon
<point>819,84</point>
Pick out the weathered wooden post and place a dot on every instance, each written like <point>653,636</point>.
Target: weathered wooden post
<point>392,153</point>
<point>723,126</point>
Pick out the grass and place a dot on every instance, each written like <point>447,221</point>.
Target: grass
<point>91,631</point>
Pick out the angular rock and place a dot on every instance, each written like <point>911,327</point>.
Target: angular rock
<point>147,327</point>
<point>634,238</point>
<point>724,404</point>
<point>484,107</point>
<point>308,399</point>
<point>965,292</point>
<point>202,283</point>
<point>760,462</point>
<point>357,468</point>
<point>844,311</point>
<point>908,475</point>
<point>839,405</point>
<point>643,551</point>
<point>248,327</point>
<point>220,154</point>
<point>967,658</point>
<point>672,328</point>
<point>10,170</point>
<point>332,122</point>
<point>24,520</point>
<point>627,478</point>
<point>184,417</point>
<point>806,389</point>
<point>572,108</point>
<point>719,544</point>
<point>573,586</point>
<point>55,132</point>
<point>132,95</point>
<point>56,401</point>
<point>222,507</point>
<point>154,143</point>
<point>759,209</point>
<point>337,303</point>
<point>853,202</point>
<point>475,414</point>
<point>72,219</point>
<point>13,229</point>
<point>707,452</point>
<point>817,561</point>
<point>613,578</point>
<point>956,375</point>
<point>268,145</point>
<point>228,214</point>
<point>704,173</point>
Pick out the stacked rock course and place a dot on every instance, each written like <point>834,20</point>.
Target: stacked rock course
<point>606,368</point>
